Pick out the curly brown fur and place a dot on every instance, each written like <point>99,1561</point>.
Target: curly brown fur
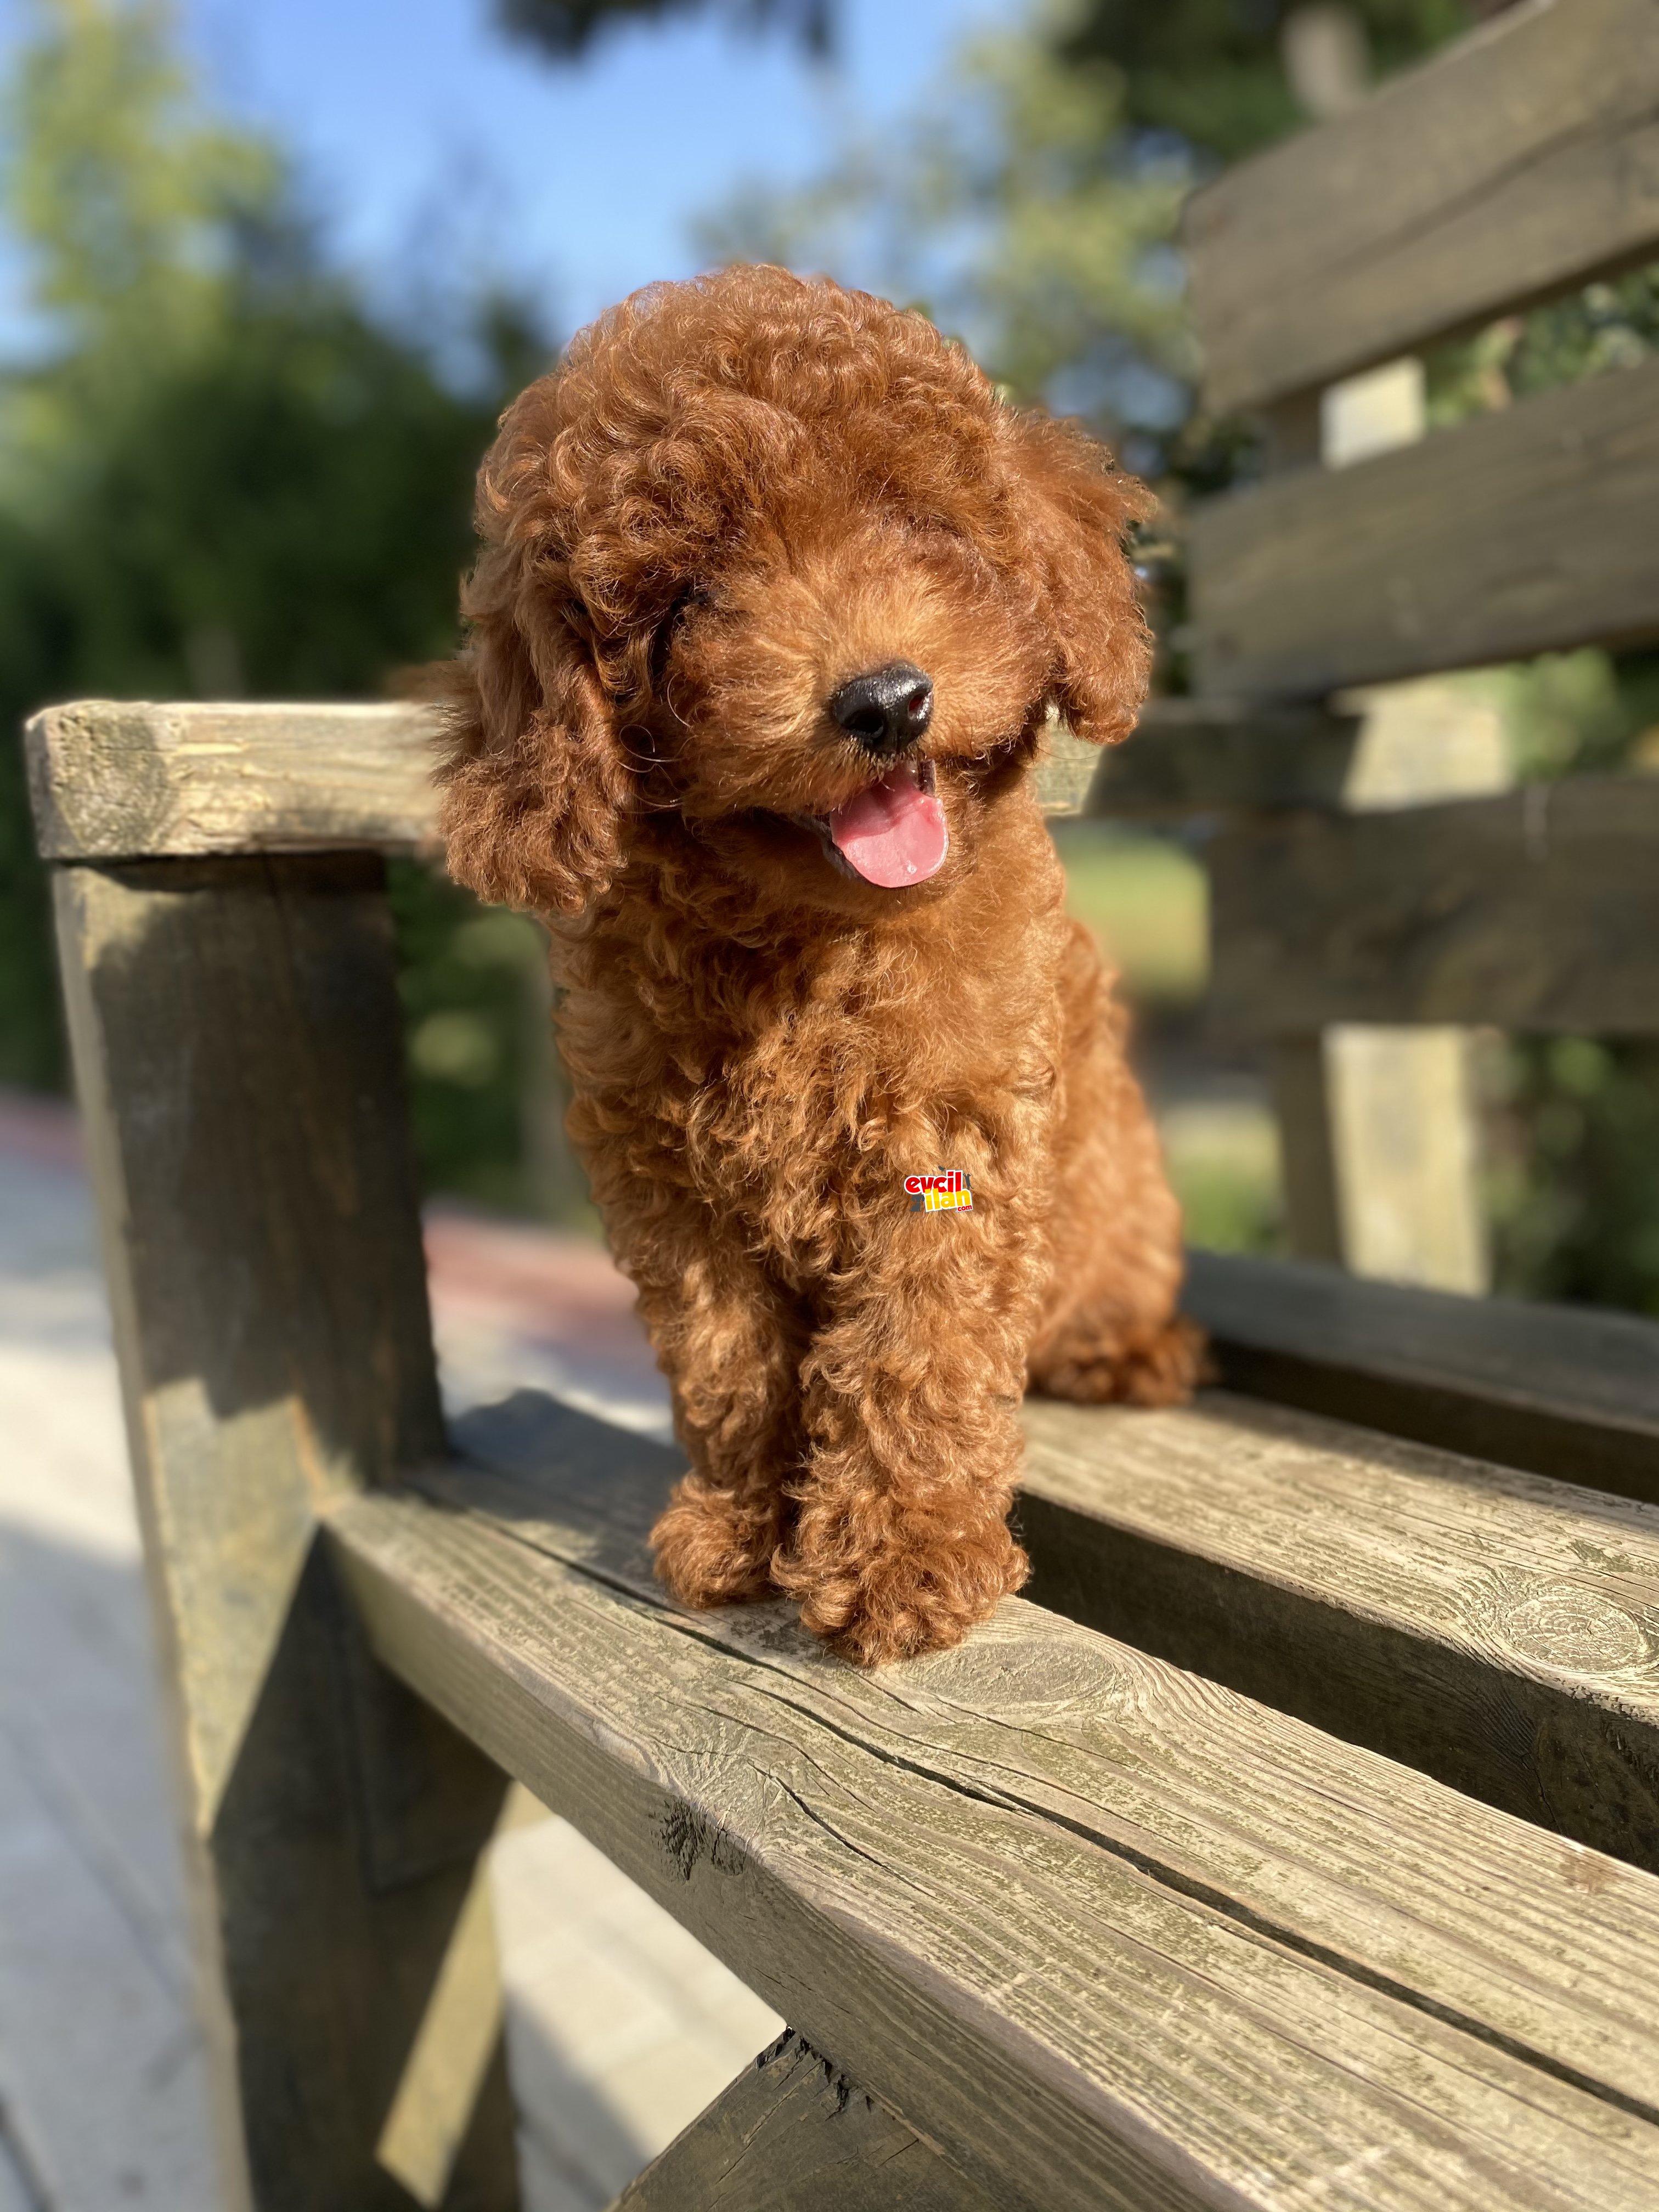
<point>731,497</point>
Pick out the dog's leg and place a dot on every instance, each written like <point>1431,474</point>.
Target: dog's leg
<point>729,1343</point>
<point>911,1398</point>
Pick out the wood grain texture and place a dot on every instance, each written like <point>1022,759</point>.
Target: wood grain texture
<point>1191,756</point>
<point>1514,534</point>
<point>1537,910</point>
<point>1105,1933</point>
<point>1495,1629</point>
<point>1561,1390</point>
<point>119,779</point>
<point>793,2134</point>
<point>1522,162</point>
<point>236,1037</point>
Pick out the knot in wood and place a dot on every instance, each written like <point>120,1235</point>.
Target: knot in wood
<point>1575,1631</point>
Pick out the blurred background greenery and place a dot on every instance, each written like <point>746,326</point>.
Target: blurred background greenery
<point>225,472</point>
<point>226,478</point>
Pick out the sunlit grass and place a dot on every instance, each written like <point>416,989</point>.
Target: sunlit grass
<point>1146,900</point>
<point>1223,1159</point>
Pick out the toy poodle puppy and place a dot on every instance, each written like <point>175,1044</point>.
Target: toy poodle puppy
<point>776,596</point>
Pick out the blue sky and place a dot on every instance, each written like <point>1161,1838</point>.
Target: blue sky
<point>430,141</point>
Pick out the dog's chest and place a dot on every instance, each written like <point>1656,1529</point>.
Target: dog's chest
<point>803,1111</point>
<point>793,1090</point>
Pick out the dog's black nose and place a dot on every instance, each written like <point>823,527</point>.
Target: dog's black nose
<point>887,709</point>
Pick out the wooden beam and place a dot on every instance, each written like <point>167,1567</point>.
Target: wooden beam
<point>123,779</point>
<point>1104,1934</point>
<point>792,2130</point>
<point>1492,1627</point>
<point>1514,534</point>
<point>119,780</point>
<point>1563,1391</point>
<point>1536,910</point>
<point>1190,757</point>
<point>1520,162</point>
<point>237,1048</point>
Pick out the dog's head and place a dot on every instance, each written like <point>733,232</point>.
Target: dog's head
<point>774,560</point>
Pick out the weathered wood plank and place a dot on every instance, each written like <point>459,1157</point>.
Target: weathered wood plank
<point>793,2134</point>
<point>1561,1390</point>
<point>1191,756</point>
<point>1495,1629</point>
<point>1519,162</point>
<point>237,1047</point>
<point>119,779</point>
<point>1106,1933</point>
<point>1515,533</point>
<point>1537,910</point>
<point>126,780</point>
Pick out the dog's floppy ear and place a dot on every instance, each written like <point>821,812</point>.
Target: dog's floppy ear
<point>536,785</point>
<point>1077,509</point>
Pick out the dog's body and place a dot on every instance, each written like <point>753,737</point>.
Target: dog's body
<point>776,599</point>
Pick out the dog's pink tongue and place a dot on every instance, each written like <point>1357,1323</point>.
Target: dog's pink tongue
<point>894,833</point>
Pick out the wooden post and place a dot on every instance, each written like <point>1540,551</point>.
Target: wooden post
<point>1296,1065</point>
<point>235,1033</point>
<point>1379,1129</point>
<point>1302,1108</point>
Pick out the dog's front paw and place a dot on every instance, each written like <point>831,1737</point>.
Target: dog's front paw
<point>714,1547</point>
<point>920,1588</point>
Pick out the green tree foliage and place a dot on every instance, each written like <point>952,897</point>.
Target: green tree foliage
<point>566,28</point>
<point>1574,1177</point>
<point>225,478</point>
<point>120,185</point>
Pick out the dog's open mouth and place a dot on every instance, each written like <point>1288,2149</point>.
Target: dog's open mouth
<point>893,833</point>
